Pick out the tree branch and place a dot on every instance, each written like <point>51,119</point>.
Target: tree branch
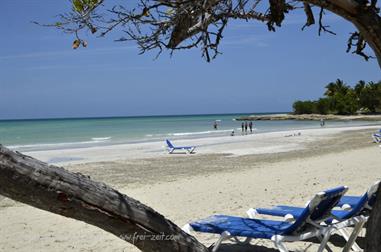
<point>76,196</point>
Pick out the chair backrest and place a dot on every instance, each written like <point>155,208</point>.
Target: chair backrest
<point>318,209</point>
<point>170,145</point>
<point>365,202</point>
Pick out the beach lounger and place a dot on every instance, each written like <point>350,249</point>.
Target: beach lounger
<point>376,138</point>
<point>348,202</point>
<point>172,148</point>
<point>352,205</point>
<point>307,225</point>
<point>355,205</point>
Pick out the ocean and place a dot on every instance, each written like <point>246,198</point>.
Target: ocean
<point>46,134</point>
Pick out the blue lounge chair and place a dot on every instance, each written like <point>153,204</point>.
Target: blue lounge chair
<point>306,226</point>
<point>376,137</point>
<point>355,205</point>
<point>172,148</point>
<point>348,202</point>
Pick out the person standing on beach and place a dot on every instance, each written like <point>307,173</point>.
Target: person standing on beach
<point>251,127</point>
<point>215,125</point>
<point>243,127</point>
<point>246,127</point>
<point>322,122</point>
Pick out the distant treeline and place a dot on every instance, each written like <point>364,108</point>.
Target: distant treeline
<point>341,99</point>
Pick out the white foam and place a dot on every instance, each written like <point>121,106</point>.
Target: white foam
<point>198,132</point>
<point>60,145</point>
<point>100,138</point>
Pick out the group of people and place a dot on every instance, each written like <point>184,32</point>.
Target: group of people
<point>245,126</point>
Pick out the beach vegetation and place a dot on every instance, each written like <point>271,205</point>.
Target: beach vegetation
<point>342,99</point>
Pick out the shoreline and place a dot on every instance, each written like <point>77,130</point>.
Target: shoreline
<point>310,117</point>
<point>239,145</point>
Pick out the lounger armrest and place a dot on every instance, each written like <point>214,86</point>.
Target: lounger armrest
<point>252,213</point>
<point>187,228</point>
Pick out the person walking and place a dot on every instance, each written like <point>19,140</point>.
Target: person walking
<point>251,127</point>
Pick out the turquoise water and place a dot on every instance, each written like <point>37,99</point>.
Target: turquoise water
<point>46,134</point>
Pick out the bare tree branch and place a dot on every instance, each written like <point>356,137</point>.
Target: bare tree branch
<point>323,27</point>
<point>358,41</point>
<point>76,196</point>
<point>186,24</point>
<point>309,14</point>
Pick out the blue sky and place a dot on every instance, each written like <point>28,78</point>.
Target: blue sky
<point>42,77</point>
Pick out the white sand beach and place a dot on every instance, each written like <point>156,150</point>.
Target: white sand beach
<point>227,175</point>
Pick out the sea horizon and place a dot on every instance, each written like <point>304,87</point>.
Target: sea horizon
<point>137,116</point>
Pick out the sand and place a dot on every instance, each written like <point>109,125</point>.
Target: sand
<point>227,175</point>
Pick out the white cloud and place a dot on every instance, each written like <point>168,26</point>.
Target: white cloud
<point>258,41</point>
<point>48,54</point>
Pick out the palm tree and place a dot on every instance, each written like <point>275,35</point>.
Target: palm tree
<point>337,87</point>
<point>359,88</point>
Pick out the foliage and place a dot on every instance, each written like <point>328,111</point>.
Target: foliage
<point>344,100</point>
<point>369,95</point>
<point>322,106</point>
<point>304,107</point>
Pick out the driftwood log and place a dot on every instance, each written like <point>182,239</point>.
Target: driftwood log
<point>76,196</point>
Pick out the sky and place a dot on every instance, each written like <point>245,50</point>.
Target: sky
<point>41,76</point>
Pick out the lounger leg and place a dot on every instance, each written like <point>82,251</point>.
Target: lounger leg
<point>278,241</point>
<point>171,150</point>
<point>281,247</point>
<point>324,241</point>
<point>352,238</point>
<point>346,236</point>
<point>225,235</point>
<point>246,241</point>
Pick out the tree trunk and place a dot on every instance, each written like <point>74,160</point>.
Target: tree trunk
<point>373,231</point>
<point>74,195</point>
<point>368,22</point>
<point>363,16</point>
<point>366,19</point>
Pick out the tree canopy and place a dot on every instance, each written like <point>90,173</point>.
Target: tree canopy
<point>184,24</point>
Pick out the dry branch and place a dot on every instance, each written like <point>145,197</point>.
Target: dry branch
<point>76,196</point>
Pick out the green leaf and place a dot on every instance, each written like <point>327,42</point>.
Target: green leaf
<point>90,3</point>
<point>78,5</point>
